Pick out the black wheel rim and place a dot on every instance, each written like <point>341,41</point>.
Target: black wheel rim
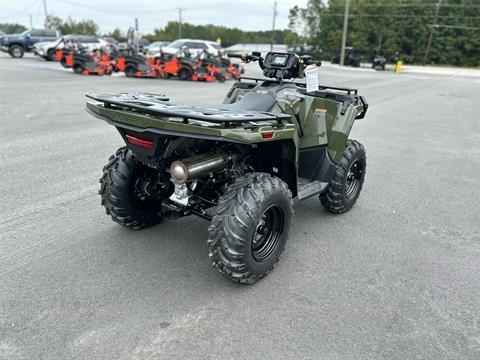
<point>354,179</point>
<point>267,233</point>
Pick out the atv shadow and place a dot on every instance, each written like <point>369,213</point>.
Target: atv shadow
<point>176,251</point>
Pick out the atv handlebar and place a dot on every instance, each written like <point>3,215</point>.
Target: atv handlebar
<point>246,58</point>
<point>279,65</point>
<point>308,60</point>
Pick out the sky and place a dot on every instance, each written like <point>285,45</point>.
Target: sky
<point>151,14</point>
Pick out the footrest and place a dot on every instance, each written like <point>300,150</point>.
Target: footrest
<point>306,190</point>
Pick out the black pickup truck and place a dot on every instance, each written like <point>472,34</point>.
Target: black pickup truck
<point>17,44</point>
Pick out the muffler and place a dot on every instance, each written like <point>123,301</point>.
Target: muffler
<point>198,166</point>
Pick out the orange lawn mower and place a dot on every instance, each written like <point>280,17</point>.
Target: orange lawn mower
<point>66,57</point>
<point>212,65</point>
<point>137,66</point>
<point>87,64</point>
<point>181,66</point>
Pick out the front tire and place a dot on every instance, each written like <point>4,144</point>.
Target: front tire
<point>345,187</point>
<point>51,56</point>
<point>77,68</point>
<point>123,178</point>
<point>250,228</point>
<point>130,71</point>
<point>184,74</point>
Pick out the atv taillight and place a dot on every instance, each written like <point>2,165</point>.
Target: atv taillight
<point>147,144</point>
<point>267,135</point>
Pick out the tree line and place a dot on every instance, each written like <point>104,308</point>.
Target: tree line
<point>228,36</point>
<point>391,26</point>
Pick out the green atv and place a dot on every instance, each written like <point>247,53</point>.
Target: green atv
<point>240,164</point>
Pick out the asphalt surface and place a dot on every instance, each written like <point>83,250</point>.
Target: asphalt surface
<point>395,278</point>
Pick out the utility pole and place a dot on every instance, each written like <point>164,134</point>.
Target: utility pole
<point>432,29</point>
<point>344,33</point>
<point>137,36</point>
<point>275,13</point>
<point>31,21</point>
<point>46,13</point>
<point>180,22</point>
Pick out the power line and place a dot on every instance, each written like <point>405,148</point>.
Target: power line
<point>416,5</point>
<point>400,16</point>
<point>20,11</point>
<point>454,27</point>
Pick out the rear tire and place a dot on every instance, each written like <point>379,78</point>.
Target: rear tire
<point>250,228</point>
<point>184,74</point>
<point>119,187</point>
<point>345,187</point>
<point>16,51</point>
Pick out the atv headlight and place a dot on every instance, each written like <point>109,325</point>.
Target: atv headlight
<point>179,172</point>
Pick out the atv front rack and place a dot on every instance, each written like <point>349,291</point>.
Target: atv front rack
<point>301,84</point>
<point>158,105</point>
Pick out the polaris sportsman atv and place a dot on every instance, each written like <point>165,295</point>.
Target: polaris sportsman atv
<point>239,164</point>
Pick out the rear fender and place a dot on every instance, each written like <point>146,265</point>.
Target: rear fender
<point>277,158</point>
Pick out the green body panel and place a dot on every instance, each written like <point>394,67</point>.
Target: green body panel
<point>316,124</point>
<point>331,130</point>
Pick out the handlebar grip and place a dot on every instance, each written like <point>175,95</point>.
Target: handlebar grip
<point>308,60</point>
<point>239,56</point>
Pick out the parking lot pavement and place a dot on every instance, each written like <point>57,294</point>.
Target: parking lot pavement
<point>395,278</point>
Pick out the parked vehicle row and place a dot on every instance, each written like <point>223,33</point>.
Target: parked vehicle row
<point>46,43</point>
<point>182,64</point>
<point>17,44</point>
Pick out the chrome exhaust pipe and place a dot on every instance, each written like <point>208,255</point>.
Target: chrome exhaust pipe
<point>198,166</point>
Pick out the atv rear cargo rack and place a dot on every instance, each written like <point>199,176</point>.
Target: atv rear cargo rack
<point>158,105</point>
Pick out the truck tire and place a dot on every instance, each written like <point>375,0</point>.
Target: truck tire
<point>121,192</point>
<point>250,227</point>
<point>345,187</point>
<point>16,51</point>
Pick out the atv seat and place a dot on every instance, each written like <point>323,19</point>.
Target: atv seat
<point>251,101</point>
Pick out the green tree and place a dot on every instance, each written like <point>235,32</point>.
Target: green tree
<point>70,26</point>
<point>12,28</point>
<point>394,25</point>
<point>229,36</point>
<point>117,34</point>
